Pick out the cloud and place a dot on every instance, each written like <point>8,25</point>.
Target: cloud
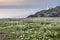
<point>9,2</point>
<point>23,2</point>
<point>28,3</point>
<point>20,2</point>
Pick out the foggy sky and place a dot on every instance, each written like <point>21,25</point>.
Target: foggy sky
<point>23,8</point>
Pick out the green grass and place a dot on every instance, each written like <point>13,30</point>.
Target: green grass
<point>30,29</point>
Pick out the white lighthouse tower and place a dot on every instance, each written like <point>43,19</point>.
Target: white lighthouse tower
<point>47,7</point>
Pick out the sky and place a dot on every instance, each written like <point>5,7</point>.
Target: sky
<point>23,8</point>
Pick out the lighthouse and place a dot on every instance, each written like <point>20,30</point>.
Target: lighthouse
<point>47,7</point>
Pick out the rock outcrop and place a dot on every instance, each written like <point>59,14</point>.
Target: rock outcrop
<point>53,12</point>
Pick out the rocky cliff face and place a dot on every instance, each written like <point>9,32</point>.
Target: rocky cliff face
<point>53,12</point>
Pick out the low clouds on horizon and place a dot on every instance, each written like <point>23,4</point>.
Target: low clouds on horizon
<point>16,13</point>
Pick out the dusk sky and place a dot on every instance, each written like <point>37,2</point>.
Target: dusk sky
<point>23,8</point>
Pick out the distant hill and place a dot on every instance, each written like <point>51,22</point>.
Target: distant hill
<point>53,12</point>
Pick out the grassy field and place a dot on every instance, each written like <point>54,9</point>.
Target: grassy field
<point>30,29</point>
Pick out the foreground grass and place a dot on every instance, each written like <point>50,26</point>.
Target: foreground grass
<point>30,29</point>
